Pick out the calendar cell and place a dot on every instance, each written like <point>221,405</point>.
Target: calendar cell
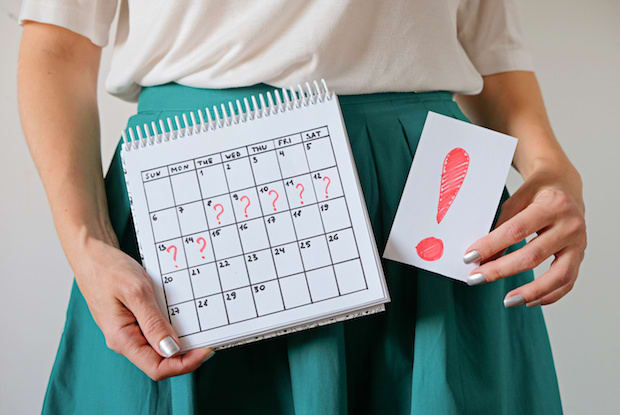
<point>299,191</point>
<point>226,242</point>
<point>280,228</point>
<point>287,259</point>
<point>335,214</point>
<point>327,184</point>
<point>307,221</point>
<point>265,167</point>
<point>349,276</point>
<point>165,225</point>
<point>205,280</point>
<point>198,249</point>
<point>192,218</point>
<point>322,283</point>
<point>260,266</point>
<point>211,312</point>
<point>295,290</point>
<point>239,304</point>
<point>246,204</point>
<point>342,245</point>
<point>272,197</point>
<point>239,174</point>
<point>267,297</point>
<point>314,252</point>
<point>233,273</point>
<point>177,287</point>
<point>253,235</point>
<point>292,160</point>
<point>185,187</point>
<point>320,154</point>
<point>171,256</point>
<point>183,318</point>
<point>212,181</point>
<point>158,194</point>
<point>219,211</point>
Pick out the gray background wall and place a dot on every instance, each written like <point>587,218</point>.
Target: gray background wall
<point>576,47</point>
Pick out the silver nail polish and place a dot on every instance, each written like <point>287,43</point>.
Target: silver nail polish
<point>534,303</point>
<point>514,301</point>
<point>471,256</point>
<point>476,279</point>
<point>168,346</point>
<point>208,357</point>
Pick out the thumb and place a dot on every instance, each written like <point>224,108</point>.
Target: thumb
<point>155,327</point>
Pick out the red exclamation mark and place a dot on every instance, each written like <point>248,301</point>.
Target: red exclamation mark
<point>453,173</point>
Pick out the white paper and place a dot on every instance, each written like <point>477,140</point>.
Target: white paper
<point>256,227</point>
<point>479,161</point>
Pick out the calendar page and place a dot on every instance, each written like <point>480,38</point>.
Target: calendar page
<point>256,228</point>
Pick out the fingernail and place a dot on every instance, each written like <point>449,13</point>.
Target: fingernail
<point>471,256</point>
<point>533,303</point>
<point>168,346</point>
<point>209,356</point>
<point>476,279</point>
<point>514,301</point>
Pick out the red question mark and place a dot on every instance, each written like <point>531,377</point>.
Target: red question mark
<point>245,211</point>
<point>329,181</point>
<point>274,200</point>
<point>174,256</point>
<point>301,192</point>
<point>204,244</point>
<point>219,214</point>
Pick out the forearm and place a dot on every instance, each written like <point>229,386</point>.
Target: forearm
<point>57,81</point>
<point>511,102</point>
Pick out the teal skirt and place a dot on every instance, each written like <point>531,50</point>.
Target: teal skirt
<point>440,347</point>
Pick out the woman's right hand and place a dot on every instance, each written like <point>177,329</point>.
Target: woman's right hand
<point>122,301</point>
<point>57,85</point>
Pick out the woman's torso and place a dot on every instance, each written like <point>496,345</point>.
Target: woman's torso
<point>357,46</point>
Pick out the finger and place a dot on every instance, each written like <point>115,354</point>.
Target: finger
<point>523,259</point>
<point>139,298</point>
<point>555,295</point>
<point>131,343</point>
<point>563,272</point>
<point>513,205</point>
<point>185,363</point>
<point>529,220</point>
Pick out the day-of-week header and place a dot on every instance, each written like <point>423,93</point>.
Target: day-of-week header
<point>314,134</point>
<point>181,167</point>
<point>288,140</point>
<point>260,147</point>
<point>234,154</point>
<point>154,174</point>
<point>208,160</point>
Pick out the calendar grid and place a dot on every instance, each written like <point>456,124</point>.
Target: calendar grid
<point>229,177</point>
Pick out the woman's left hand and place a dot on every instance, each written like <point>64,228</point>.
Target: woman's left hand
<point>550,204</point>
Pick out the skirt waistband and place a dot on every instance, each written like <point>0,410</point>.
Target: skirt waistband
<point>176,97</point>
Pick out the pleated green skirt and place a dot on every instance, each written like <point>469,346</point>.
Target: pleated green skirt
<point>441,347</point>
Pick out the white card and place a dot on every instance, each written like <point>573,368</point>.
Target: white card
<point>469,164</point>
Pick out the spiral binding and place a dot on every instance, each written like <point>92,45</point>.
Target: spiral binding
<point>150,135</point>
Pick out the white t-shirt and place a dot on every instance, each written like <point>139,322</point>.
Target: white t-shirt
<point>356,46</point>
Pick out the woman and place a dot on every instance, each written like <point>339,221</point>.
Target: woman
<point>441,347</point>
